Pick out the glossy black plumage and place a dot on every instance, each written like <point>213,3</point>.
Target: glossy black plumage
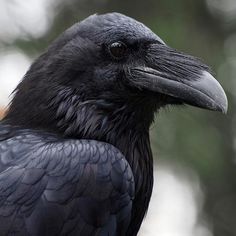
<point>75,153</point>
<point>51,186</point>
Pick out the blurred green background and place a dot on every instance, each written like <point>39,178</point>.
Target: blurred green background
<point>194,149</point>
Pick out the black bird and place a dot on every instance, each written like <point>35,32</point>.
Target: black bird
<point>75,156</point>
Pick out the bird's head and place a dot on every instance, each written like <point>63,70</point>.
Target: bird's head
<point>113,64</point>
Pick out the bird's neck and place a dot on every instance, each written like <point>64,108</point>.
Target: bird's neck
<point>122,123</point>
<point>115,121</point>
<point>126,127</point>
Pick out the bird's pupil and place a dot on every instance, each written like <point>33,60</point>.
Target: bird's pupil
<point>118,49</point>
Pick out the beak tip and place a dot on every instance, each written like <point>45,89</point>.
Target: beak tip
<point>224,106</point>
<point>216,92</point>
<point>223,109</point>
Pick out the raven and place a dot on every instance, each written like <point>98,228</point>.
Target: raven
<point>75,156</point>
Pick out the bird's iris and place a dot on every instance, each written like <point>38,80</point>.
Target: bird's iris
<point>118,50</point>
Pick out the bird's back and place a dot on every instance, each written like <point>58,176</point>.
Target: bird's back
<point>52,186</point>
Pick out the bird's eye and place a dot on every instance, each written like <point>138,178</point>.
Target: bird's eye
<point>118,50</point>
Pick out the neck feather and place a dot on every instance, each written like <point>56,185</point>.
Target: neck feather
<point>120,122</point>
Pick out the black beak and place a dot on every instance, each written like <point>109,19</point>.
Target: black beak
<point>180,76</point>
